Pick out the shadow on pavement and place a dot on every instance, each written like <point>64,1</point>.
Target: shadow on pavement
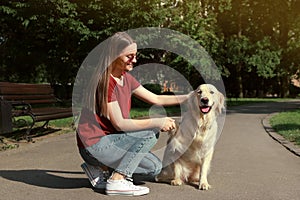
<point>47,178</point>
<point>57,179</point>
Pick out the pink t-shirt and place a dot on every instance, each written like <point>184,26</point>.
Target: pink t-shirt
<point>92,127</point>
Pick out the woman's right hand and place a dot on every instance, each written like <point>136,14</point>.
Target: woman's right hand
<point>168,124</point>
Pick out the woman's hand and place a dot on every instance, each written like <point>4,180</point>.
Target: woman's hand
<point>168,124</point>
<point>117,120</point>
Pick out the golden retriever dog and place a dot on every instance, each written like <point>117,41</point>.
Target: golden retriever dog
<point>190,148</point>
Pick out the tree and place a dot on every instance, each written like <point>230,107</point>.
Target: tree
<point>266,27</point>
<point>57,34</point>
<point>196,19</point>
<point>253,41</point>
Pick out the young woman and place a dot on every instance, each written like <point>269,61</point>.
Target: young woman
<point>106,135</point>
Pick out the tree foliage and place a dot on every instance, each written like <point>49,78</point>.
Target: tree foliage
<point>253,42</point>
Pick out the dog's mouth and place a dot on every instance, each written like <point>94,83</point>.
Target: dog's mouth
<point>205,109</point>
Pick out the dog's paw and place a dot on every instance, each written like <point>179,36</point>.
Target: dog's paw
<point>157,179</point>
<point>204,186</point>
<point>176,182</point>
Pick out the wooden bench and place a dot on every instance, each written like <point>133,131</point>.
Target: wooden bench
<point>34,100</point>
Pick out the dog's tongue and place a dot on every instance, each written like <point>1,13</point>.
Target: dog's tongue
<point>205,109</point>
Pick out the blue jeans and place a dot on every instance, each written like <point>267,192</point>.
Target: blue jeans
<point>128,152</point>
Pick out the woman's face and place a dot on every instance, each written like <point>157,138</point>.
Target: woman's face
<point>126,62</point>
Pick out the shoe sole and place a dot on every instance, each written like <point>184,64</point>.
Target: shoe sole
<point>127,193</point>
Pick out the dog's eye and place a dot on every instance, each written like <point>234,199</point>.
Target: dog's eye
<point>212,92</point>
<point>199,92</point>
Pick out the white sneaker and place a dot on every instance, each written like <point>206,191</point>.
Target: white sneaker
<point>124,187</point>
<point>96,175</point>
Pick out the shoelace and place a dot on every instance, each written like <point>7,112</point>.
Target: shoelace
<point>129,182</point>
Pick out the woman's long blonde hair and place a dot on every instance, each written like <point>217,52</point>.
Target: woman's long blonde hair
<point>97,97</point>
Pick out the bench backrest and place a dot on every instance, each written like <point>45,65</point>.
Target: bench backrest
<point>28,93</point>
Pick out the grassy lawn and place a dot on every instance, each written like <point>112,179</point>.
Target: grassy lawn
<point>155,110</point>
<point>59,126</point>
<point>142,112</point>
<point>59,123</point>
<point>287,124</point>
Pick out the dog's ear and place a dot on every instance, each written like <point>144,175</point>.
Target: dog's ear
<point>221,103</point>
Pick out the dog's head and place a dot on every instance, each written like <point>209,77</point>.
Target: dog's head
<point>208,99</point>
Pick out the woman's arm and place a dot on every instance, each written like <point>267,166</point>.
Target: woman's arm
<point>121,124</point>
<point>163,100</point>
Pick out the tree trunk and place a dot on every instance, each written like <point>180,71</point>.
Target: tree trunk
<point>240,81</point>
<point>284,30</point>
<point>239,67</point>
<point>284,89</point>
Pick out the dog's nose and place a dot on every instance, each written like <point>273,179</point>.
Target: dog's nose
<point>204,100</point>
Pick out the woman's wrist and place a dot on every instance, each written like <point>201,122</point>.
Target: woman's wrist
<point>158,122</point>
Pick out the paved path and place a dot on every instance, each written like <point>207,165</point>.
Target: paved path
<point>248,164</point>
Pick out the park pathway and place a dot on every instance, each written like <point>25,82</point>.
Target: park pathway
<point>248,165</point>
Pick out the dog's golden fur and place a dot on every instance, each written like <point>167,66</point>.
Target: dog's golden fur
<point>190,147</point>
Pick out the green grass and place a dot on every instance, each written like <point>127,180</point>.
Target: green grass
<point>21,125</point>
<point>145,112</point>
<point>59,123</point>
<point>66,125</point>
<point>11,140</point>
<point>155,111</point>
<point>287,124</point>
<point>62,123</point>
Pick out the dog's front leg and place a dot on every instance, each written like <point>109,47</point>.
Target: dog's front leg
<point>203,184</point>
<point>177,175</point>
